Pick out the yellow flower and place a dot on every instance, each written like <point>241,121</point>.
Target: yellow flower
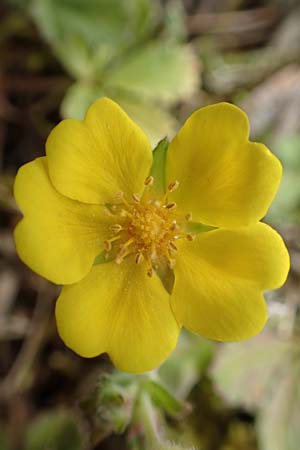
<point>94,194</point>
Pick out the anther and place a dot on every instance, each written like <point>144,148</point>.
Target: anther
<point>119,195</point>
<point>190,237</point>
<point>188,217</point>
<point>173,246</point>
<point>173,186</point>
<point>107,213</point>
<point>157,203</point>
<point>107,245</point>
<point>119,259</point>
<point>139,258</point>
<point>174,227</point>
<point>171,263</point>
<point>116,228</point>
<point>171,205</point>
<point>136,198</point>
<point>150,272</point>
<point>149,181</point>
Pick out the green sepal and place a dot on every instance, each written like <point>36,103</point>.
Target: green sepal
<point>158,169</point>
<point>103,258</point>
<point>197,227</point>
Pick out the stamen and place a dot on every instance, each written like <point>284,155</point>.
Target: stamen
<point>150,272</point>
<point>171,205</point>
<point>107,246</point>
<point>139,258</point>
<point>173,186</point>
<point>173,246</point>
<point>157,203</point>
<point>122,254</point>
<point>119,195</point>
<point>174,227</point>
<point>190,237</point>
<point>108,213</point>
<point>107,243</point>
<point>125,213</point>
<point>146,228</point>
<point>171,263</point>
<point>149,181</point>
<point>119,259</point>
<point>127,243</point>
<point>136,198</point>
<point>116,228</point>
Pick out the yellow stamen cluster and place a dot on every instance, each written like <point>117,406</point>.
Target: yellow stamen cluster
<point>146,228</point>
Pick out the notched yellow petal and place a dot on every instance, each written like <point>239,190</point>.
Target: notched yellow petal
<point>58,238</point>
<point>225,180</point>
<point>90,160</point>
<point>220,279</point>
<point>118,310</point>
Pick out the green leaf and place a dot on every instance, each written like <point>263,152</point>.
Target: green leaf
<point>279,419</point>
<point>160,71</point>
<point>184,367</point>
<point>105,29</point>
<point>4,442</point>
<point>175,27</point>
<point>55,430</point>
<point>156,121</point>
<point>250,364</point>
<point>78,98</point>
<point>286,206</point>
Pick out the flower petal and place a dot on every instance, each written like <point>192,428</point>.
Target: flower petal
<point>225,180</point>
<point>219,279</point>
<point>92,160</point>
<point>118,309</point>
<point>58,238</point>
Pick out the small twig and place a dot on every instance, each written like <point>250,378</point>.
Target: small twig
<point>233,22</point>
<point>15,380</point>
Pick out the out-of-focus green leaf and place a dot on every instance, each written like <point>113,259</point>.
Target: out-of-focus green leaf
<point>106,22</point>
<point>243,371</point>
<point>158,71</point>
<point>153,119</point>
<point>55,430</point>
<point>4,444</point>
<point>76,57</point>
<point>175,29</point>
<point>184,367</point>
<point>286,206</point>
<point>78,98</point>
<point>264,374</point>
<point>279,419</point>
<point>87,35</point>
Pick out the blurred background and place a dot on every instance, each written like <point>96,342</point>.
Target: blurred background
<point>159,60</point>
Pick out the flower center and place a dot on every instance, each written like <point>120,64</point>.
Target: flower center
<point>146,228</point>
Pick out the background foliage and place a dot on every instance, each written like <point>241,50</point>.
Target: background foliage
<point>160,59</point>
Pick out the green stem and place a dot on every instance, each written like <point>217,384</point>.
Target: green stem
<point>148,417</point>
